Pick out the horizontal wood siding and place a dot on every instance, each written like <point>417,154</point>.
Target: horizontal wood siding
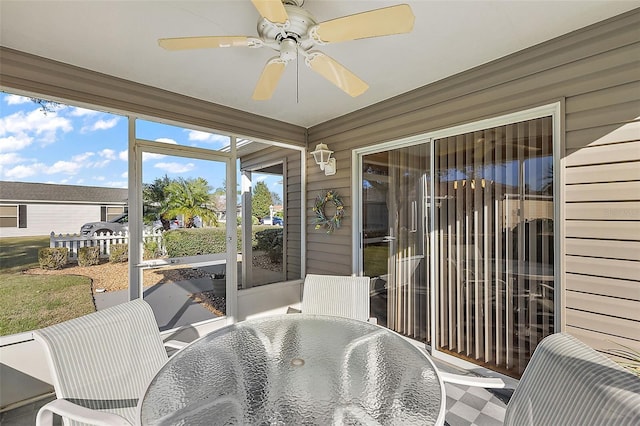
<point>22,71</point>
<point>43,219</point>
<point>292,197</point>
<point>594,72</point>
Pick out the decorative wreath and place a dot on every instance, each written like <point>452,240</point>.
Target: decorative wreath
<point>333,222</point>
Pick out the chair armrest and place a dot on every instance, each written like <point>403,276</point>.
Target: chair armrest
<point>174,344</point>
<point>481,382</point>
<point>372,320</point>
<point>72,411</point>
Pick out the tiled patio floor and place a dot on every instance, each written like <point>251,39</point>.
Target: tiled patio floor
<point>465,406</point>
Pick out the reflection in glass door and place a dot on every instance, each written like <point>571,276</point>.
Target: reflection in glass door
<point>395,203</point>
<point>492,247</point>
<point>494,237</point>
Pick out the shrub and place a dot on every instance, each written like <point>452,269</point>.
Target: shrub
<point>88,256</point>
<point>270,241</point>
<point>53,257</point>
<point>195,241</point>
<point>118,253</point>
<point>152,250</point>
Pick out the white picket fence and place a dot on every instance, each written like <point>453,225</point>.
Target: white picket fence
<point>75,241</point>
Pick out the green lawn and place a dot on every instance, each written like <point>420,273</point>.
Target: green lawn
<point>28,302</point>
<point>375,260</point>
<point>17,253</point>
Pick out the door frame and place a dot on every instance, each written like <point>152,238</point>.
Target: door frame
<point>555,110</point>
<point>137,264</point>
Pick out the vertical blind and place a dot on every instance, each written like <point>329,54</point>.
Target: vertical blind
<point>494,243</point>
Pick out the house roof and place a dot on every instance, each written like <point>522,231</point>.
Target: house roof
<point>27,191</point>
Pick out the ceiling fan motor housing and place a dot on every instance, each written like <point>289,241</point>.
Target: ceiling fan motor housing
<point>296,29</point>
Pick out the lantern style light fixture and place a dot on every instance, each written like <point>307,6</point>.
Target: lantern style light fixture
<point>322,156</point>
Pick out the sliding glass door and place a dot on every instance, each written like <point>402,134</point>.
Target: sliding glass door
<point>469,227</point>
<point>396,245</point>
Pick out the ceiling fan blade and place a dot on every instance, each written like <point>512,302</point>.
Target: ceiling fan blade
<point>272,10</point>
<point>207,42</point>
<point>269,79</point>
<point>336,73</point>
<point>380,22</point>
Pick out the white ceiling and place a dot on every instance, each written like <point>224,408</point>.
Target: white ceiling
<point>120,38</point>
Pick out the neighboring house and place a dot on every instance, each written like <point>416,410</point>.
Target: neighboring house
<point>32,209</point>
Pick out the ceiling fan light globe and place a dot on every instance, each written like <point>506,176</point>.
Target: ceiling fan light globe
<point>288,50</point>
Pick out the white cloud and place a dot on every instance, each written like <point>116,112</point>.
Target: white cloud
<point>117,184</point>
<point>16,100</point>
<point>21,172</point>
<point>99,164</point>
<point>175,167</point>
<point>196,135</point>
<point>108,154</point>
<point>99,178</point>
<point>106,124</point>
<point>11,158</point>
<point>151,156</point>
<point>35,123</point>
<point>125,175</point>
<point>124,155</point>
<point>167,140</point>
<point>66,167</point>
<point>101,125</point>
<point>82,112</point>
<point>82,157</point>
<point>15,143</point>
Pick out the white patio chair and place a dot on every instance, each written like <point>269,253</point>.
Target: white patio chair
<point>567,383</point>
<point>342,296</point>
<point>101,364</point>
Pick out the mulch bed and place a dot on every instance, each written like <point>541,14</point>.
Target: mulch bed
<point>108,276</point>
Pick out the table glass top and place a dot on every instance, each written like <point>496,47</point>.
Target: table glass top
<point>296,369</point>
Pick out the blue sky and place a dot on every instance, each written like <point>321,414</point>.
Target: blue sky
<point>77,146</point>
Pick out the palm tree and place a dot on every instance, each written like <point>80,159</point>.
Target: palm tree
<point>155,200</point>
<point>189,198</point>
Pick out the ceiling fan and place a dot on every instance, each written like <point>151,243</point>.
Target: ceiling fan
<point>290,30</point>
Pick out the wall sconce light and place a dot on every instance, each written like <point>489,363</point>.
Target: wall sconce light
<point>322,156</point>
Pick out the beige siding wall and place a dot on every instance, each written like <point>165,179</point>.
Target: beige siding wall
<point>291,199</point>
<point>594,72</point>
<point>43,219</point>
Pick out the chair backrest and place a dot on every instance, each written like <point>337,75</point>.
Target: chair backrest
<point>342,296</point>
<point>105,360</point>
<point>568,383</point>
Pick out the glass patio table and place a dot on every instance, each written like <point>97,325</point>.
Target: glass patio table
<point>297,369</point>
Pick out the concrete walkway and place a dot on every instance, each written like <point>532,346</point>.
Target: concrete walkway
<point>171,302</point>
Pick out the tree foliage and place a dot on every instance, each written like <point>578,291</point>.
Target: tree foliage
<point>275,197</point>
<point>155,200</point>
<point>261,200</point>
<point>189,198</point>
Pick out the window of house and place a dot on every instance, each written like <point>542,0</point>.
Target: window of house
<point>109,213</point>
<point>8,216</point>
